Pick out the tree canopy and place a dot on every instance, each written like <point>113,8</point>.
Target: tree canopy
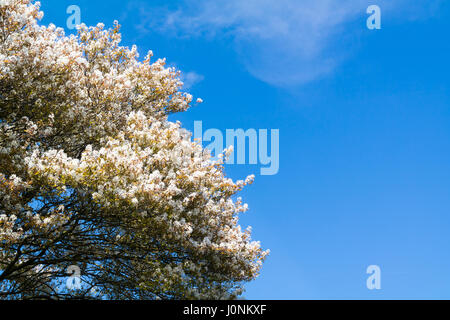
<point>94,175</point>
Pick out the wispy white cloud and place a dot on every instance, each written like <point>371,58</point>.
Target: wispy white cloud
<point>282,42</point>
<point>190,79</point>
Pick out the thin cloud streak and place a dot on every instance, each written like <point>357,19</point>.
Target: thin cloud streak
<point>190,79</point>
<point>285,42</point>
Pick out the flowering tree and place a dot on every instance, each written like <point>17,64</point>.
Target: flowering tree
<point>93,175</point>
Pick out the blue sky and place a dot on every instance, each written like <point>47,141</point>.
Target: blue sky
<point>364,120</point>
